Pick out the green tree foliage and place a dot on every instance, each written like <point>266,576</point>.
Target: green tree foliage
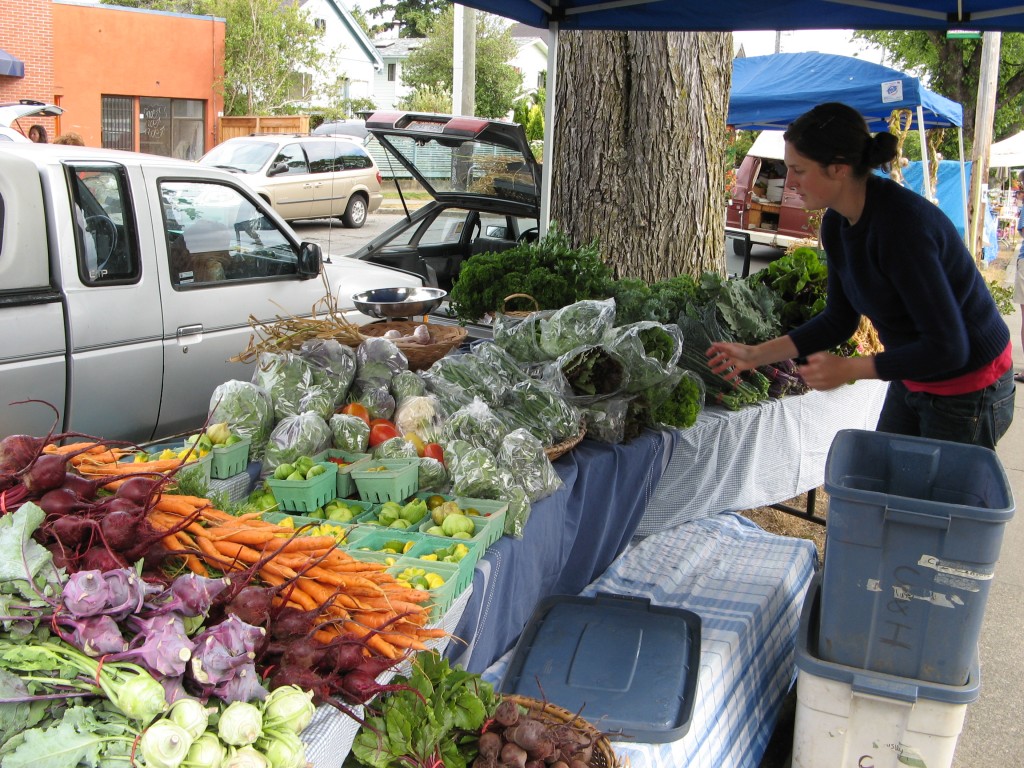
<point>428,98</point>
<point>412,18</point>
<point>497,82</point>
<point>535,124</point>
<point>952,68</point>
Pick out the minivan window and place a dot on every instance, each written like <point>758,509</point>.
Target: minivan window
<point>291,155</point>
<point>105,236</point>
<point>321,155</point>
<point>244,156</point>
<point>353,158</point>
<point>217,235</point>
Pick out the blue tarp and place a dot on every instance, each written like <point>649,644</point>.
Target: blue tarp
<point>772,91</point>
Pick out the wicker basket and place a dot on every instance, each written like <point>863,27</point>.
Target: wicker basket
<point>420,356</point>
<point>562,448</point>
<point>519,312</point>
<point>603,755</point>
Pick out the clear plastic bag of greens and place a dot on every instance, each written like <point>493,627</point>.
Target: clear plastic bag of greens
<point>649,351</point>
<point>582,324</point>
<point>586,375</point>
<point>287,378</point>
<point>305,434</point>
<point>537,407</point>
<point>471,374</point>
<point>334,369</point>
<point>432,474</point>
<point>475,423</point>
<point>421,415</point>
<point>406,384</point>
<point>606,420</point>
<point>523,456</point>
<point>379,358</point>
<point>349,433</point>
<point>520,337</point>
<point>395,448</point>
<point>248,411</point>
<point>376,395</point>
<point>498,359</point>
<point>475,474</point>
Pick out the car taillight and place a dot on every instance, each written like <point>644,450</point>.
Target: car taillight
<point>380,179</point>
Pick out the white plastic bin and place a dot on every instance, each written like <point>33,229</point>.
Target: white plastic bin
<point>848,717</point>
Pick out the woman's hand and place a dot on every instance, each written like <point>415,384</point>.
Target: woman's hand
<point>728,359</point>
<point>827,371</point>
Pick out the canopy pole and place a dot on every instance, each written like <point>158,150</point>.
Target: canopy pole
<point>547,161</point>
<point>926,181</point>
<point>963,184</point>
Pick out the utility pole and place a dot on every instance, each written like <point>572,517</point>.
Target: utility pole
<point>983,120</point>
<point>468,103</point>
<point>458,64</point>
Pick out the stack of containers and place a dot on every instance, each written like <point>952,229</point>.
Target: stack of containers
<point>887,663</point>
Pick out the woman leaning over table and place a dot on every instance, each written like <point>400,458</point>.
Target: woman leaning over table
<point>895,258</point>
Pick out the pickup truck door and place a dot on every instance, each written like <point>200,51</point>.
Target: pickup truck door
<point>222,259</point>
<point>112,291</point>
<point>32,356</point>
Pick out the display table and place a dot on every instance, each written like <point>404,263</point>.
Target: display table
<point>728,461</point>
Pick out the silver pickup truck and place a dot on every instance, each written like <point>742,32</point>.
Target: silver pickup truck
<point>127,282</point>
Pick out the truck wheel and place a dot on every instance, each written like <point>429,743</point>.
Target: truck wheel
<point>738,247</point>
<point>355,213</point>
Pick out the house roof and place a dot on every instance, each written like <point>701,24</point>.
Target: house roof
<point>397,47</point>
<point>361,38</point>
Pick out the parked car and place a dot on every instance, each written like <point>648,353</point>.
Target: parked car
<point>485,188</point>
<point>11,112</point>
<point>354,128</point>
<point>305,177</point>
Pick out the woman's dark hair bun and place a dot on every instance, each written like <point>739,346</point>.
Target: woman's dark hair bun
<point>880,149</point>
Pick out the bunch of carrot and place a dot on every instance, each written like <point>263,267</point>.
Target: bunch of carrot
<point>353,596</point>
<point>101,460</point>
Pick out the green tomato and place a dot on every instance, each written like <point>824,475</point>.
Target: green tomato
<point>283,470</point>
<point>305,462</point>
<point>340,515</point>
<point>387,516</point>
<point>296,475</point>
<point>316,469</point>
<point>457,523</point>
<point>400,524</point>
<point>462,535</point>
<point>435,530</point>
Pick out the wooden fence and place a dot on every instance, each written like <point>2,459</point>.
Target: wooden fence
<point>231,127</point>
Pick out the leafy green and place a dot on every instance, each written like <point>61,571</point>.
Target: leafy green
<point>749,310</point>
<point>436,720</point>
<point>88,736</point>
<point>592,372</point>
<point>683,405</point>
<point>661,302</point>
<point>550,270</point>
<point>800,279</point>
<point>27,574</point>
<point>580,324</point>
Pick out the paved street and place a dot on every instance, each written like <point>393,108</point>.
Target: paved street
<point>337,239</point>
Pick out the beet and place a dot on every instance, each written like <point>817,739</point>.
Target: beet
<point>72,532</point>
<point>60,502</point>
<point>489,745</point>
<point>139,490</point>
<point>252,605</point>
<point>99,559</point>
<point>18,451</point>
<point>45,473</point>
<point>359,687</point>
<point>512,755</point>
<point>83,487</point>
<point>120,529</point>
<point>506,713</point>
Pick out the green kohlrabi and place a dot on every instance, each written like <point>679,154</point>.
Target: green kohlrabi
<point>165,745</point>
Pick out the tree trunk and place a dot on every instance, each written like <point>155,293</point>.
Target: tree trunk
<point>639,148</point>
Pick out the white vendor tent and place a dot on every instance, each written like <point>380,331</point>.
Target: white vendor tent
<point>1008,153</point>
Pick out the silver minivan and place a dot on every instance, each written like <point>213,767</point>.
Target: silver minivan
<point>305,177</point>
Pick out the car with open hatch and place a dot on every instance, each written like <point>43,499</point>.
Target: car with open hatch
<point>305,177</point>
<point>484,188</point>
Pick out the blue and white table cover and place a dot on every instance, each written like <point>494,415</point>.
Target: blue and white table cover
<point>748,587</point>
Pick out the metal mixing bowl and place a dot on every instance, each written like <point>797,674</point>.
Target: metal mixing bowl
<point>398,302</point>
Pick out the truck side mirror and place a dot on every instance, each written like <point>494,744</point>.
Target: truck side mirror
<point>310,259</point>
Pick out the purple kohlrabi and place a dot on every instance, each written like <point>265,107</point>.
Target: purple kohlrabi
<point>117,593</point>
<point>219,651</point>
<point>189,595</point>
<point>160,645</point>
<point>245,685</point>
<point>93,635</point>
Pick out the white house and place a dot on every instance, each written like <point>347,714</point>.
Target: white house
<point>387,84</point>
<point>531,61</point>
<point>356,61</point>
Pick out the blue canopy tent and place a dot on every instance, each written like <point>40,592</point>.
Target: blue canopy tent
<point>11,66</point>
<point>769,92</point>
<point>730,15</point>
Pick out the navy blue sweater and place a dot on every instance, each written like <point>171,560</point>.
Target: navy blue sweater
<point>906,268</point>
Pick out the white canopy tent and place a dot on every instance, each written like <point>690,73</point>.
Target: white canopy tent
<point>1008,153</point>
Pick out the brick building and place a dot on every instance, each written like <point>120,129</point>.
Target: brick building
<point>126,78</point>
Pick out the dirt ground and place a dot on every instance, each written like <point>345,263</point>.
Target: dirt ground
<point>787,524</point>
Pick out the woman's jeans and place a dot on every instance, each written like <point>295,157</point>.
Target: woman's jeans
<point>980,417</point>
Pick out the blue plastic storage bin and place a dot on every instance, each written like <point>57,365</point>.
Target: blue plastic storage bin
<point>913,534</point>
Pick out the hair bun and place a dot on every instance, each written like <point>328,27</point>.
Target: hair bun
<point>880,149</point>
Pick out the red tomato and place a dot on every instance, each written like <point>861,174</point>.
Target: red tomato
<point>434,451</point>
<point>358,410</point>
<point>381,432</point>
<point>385,422</point>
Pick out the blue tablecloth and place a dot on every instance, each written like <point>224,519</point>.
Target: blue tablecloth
<point>570,538</point>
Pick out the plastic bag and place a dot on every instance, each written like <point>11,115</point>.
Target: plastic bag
<point>432,475</point>
<point>407,384</point>
<point>475,474</point>
<point>471,374</point>
<point>349,433</point>
<point>499,359</point>
<point>582,324</point>
<point>521,337</point>
<point>375,394</point>
<point>395,448</point>
<point>537,407</point>
<point>606,420</point>
<point>334,369</point>
<point>248,410</point>
<point>304,434</point>
<point>475,423</point>
<point>379,358</point>
<point>649,351</point>
<point>421,416</point>
<point>523,456</point>
<point>588,374</point>
<point>287,378</point>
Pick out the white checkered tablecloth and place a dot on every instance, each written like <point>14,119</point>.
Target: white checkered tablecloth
<point>759,455</point>
<point>747,586</point>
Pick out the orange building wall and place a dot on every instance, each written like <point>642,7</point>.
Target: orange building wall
<point>105,50</point>
<point>26,31</point>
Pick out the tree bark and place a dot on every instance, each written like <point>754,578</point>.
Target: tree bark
<point>639,148</point>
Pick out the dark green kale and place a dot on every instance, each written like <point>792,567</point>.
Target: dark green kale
<point>681,408</point>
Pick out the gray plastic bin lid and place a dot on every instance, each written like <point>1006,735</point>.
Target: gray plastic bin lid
<point>628,667</point>
<point>868,681</point>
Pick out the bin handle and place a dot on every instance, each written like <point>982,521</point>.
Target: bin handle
<point>898,690</point>
<point>919,519</point>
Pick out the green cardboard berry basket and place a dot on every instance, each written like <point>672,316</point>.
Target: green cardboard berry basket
<point>194,463</point>
<point>300,521</point>
<point>442,596</point>
<point>373,538</point>
<point>305,495</point>
<point>230,460</point>
<point>346,487</point>
<point>397,482</point>
<point>490,524</point>
<point>431,544</point>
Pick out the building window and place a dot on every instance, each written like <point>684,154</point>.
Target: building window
<point>172,127</point>
<point>319,25</point>
<point>392,72</point>
<point>118,121</point>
